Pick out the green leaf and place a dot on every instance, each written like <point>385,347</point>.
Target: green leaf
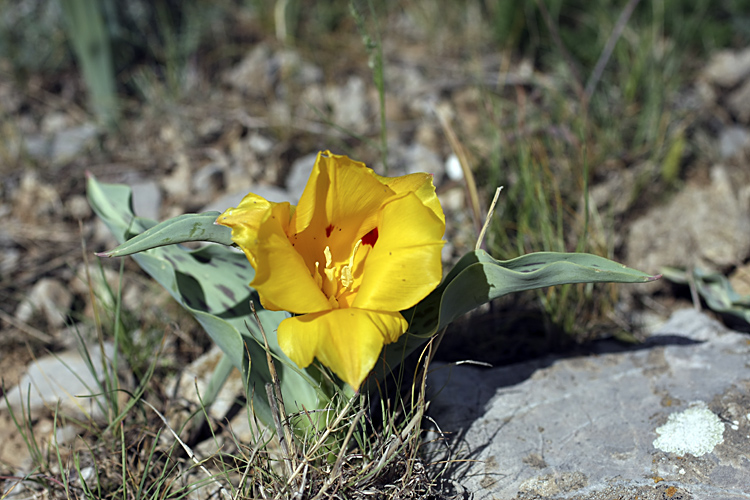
<point>181,229</point>
<point>478,278</point>
<point>212,284</point>
<point>715,289</point>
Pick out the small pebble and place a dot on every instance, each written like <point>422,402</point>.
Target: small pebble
<point>453,168</point>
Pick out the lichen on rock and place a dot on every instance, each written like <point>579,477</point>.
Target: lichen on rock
<point>696,430</point>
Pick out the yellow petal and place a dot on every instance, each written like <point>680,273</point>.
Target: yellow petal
<point>282,279</point>
<point>405,264</point>
<point>338,206</point>
<point>245,220</point>
<point>348,341</point>
<point>421,185</point>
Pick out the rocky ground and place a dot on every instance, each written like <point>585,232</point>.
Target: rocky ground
<point>256,124</point>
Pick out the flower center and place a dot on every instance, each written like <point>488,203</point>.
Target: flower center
<point>336,280</point>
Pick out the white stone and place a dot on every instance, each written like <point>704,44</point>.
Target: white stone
<point>349,104</point>
<point>194,381</point>
<point>420,158</point>
<point>727,68</point>
<point>453,168</point>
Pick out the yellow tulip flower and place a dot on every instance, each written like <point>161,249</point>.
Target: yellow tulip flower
<point>356,250</point>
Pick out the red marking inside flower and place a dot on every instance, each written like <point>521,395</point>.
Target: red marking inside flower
<point>329,230</point>
<point>370,238</point>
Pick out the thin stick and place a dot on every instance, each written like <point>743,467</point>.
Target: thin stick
<point>300,494</point>
<point>274,403</point>
<point>27,329</point>
<point>558,41</point>
<point>694,290</point>
<point>622,21</point>
<point>490,213</point>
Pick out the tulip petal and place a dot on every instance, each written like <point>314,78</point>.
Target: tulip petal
<point>245,220</point>
<point>339,205</point>
<point>348,341</point>
<point>421,185</point>
<point>405,264</point>
<point>282,279</point>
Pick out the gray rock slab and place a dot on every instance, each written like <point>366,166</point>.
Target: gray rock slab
<point>602,425</point>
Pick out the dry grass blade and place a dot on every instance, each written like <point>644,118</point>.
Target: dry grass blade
<point>27,329</point>
<point>329,428</point>
<point>276,400</point>
<point>336,472</point>
<point>601,63</point>
<point>189,452</point>
<point>463,159</point>
<point>561,47</point>
<point>487,220</point>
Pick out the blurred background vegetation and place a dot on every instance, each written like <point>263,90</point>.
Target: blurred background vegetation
<point>611,89</point>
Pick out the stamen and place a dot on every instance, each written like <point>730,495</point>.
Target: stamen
<point>327,253</point>
<point>317,276</point>
<point>347,279</point>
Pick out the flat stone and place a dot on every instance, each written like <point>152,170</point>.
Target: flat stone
<point>68,144</point>
<point>299,174</point>
<point>62,146</point>
<point>65,378</point>
<point>686,231</point>
<point>252,74</point>
<point>420,158</point>
<point>146,199</point>
<point>606,425</point>
<point>738,102</point>
<point>733,141</point>
<point>727,68</point>
<point>50,298</point>
<point>194,380</point>
<point>349,104</point>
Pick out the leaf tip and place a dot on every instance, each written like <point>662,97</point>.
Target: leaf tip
<point>654,278</point>
<point>103,254</point>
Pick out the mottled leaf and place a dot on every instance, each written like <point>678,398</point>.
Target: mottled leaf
<point>715,289</point>
<point>478,278</point>
<point>181,229</point>
<point>212,284</point>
